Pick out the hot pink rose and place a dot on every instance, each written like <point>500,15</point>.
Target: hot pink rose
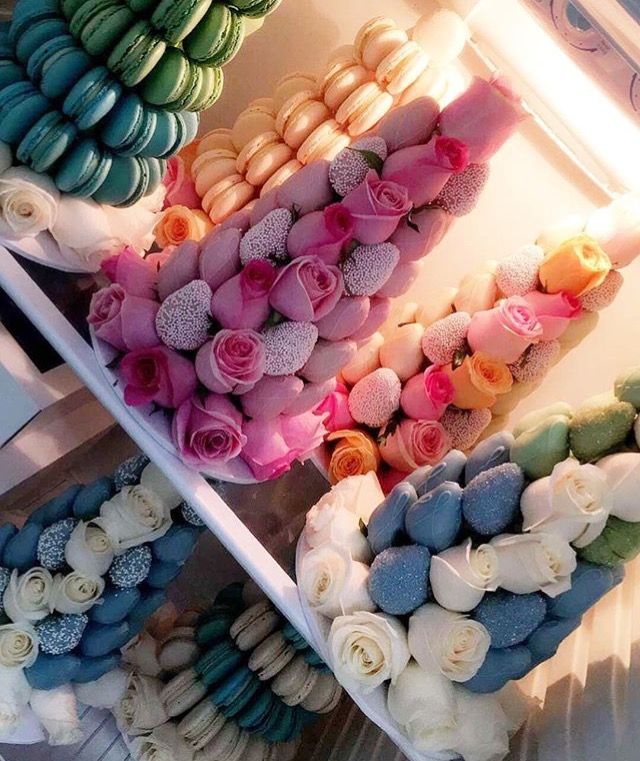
<point>220,257</point>
<point>136,275</point>
<point>554,311</point>
<point>427,396</point>
<point>377,207</point>
<point>208,430</point>
<point>271,396</point>
<point>425,169</point>
<point>180,268</point>
<point>322,233</point>
<point>273,445</point>
<point>158,375</point>
<point>123,321</point>
<point>415,443</point>
<point>505,331</point>
<point>232,362</point>
<point>483,117</point>
<point>307,289</point>
<point>432,225</point>
<point>335,410</point>
<point>350,313</point>
<point>181,190</point>
<point>243,301</point>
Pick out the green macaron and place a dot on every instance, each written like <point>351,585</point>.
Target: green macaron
<point>83,169</point>
<point>141,6</point>
<point>137,54</point>
<point>192,91</point>
<point>46,142</point>
<point>92,98</point>
<point>130,126</point>
<point>256,8</point>
<point>175,19</point>
<point>170,78</point>
<point>210,89</point>
<point>100,24</point>
<point>37,34</point>
<point>28,12</point>
<point>70,7</point>
<point>217,38</point>
<point>21,105</point>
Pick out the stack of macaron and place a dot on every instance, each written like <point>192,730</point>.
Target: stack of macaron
<point>312,118</point>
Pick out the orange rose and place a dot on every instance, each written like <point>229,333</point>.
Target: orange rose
<point>478,381</point>
<point>178,224</point>
<point>577,266</point>
<point>355,454</point>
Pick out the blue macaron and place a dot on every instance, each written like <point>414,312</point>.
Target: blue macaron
<point>165,134</point>
<point>386,524</point>
<point>434,521</point>
<point>218,663</point>
<point>82,170</point>
<point>491,501</point>
<point>21,105</point>
<point>27,13</point>
<point>46,142</point>
<point>399,579</point>
<point>215,629</point>
<point>92,97</point>
<point>257,711</point>
<point>57,65</point>
<point>10,73</point>
<point>156,169</point>
<point>124,182</point>
<point>236,691</point>
<point>130,126</point>
<point>37,34</point>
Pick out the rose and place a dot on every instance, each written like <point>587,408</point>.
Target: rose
<point>307,289</point>
<point>483,117</point>
<point>448,643</point>
<point>505,331</point>
<point>123,321</point>
<point>377,206</point>
<point>623,480</point>
<point>208,430</point>
<point>534,562</point>
<point>181,190</point>
<point>243,301</point>
<point>232,362</point>
<point>576,266</point>
<point>367,649</point>
<point>179,266</point>
<point>554,311</point>
<point>89,550</point>
<point>141,707</point>
<point>355,453</point>
<point>136,275</point>
<point>478,381</point>
<point>427,395</point>
<point>18,646</point>
<point>616,228</point>
<point>425,169</point>
<point>159,375</point>
<point>334,583</point>
<point>28,203</point>
<point>76,592</point>
<point>140,654</point>
<point>323,234</point>
<point>133,516</point>
<point>220,257</point>
<point>153,479</point>
<point>573,502</point>
<point>415,443</point>
<point>335,409</point>
<point>57,711</point>
<point>28,597</point>
<point>164,743</point>
<point>461,575</point>
<point>178,224</point>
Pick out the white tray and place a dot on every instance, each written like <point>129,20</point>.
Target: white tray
<point>43,249</point>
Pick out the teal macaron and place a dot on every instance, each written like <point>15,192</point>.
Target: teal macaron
<point>62,69</point>
<point>130,126</point>
<point>46,142</point>
<point>92,97</point>
<point>10,73</point>
<point>233,693</point>
<point>126,182</point>
<point>37,34</point>
<point>27,12</point>
<point>217,38</point>
<point>100,24</point>
<point>137,54</point>
<point>156,169</point>
<point>83,169</point>
<point>258,709</point>
<point>218,663</point>
<point>165,136</point>
<point>21,105</point>
<point>175,19</point>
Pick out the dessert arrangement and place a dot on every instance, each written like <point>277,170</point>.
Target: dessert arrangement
<point>77,582</point>
<point>238,337</point>
<point>472,571</point>
<point>465,356</point>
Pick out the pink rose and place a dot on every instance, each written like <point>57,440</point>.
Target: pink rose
<point>307,289</point>
<point>432,225</point>
<point>180,268</point>
<point>273,445</point>
<point>136,275</point>
<point>349,314</point>
<point>554,311</point>
<point>208,430</point>
<point>426,396</point>
<point>322,233</point>
<point>425,169</point>
<point>308,189</point>
<point>271,396</point>
<point>123,321</point>
<point>158,375</point>
<point>415,443</point>
<point>232,362</point>
<point>243,301</point>
<point>379,310</point>
<point>483,117</point>
<point>505,331</point>
<point>377,207</point>
<point>335,410</point>
<point>181,190</point>
<point>220,257</point>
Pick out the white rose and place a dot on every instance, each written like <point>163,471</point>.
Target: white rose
<point>623,478</point>
<point>90,550</point>
<point>15,692</point>
<point>163,744</point>
<point>58,712</point>
<point>329,523</point>
<point>135,515</point>
<point>76,592</point>
<point>28,597</point>
<point>334,583</point>
<point>18,646</point>
<point>153,478</point>
<point>573,502</point>
<point>140,709</point>
<point>134,225</point>
<point>617,229</point>
<point>28,203</point>
<point>482,727</point>
<point>461,575</point>
<point>367,649</point>
<point>359,495</point>
<point>535,562</point>
<point>447,643</point>
<point>93,240</point>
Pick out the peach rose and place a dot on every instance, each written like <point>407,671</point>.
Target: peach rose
<point>356,453</point>
<point>178,224</point>
<point>577,266</point>
<point>414,443</point>
<point>478,381</point>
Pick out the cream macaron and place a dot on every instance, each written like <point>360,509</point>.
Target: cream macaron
<point>178,650</point>
<point>228,744</point>
<point>211,167</point>
<point>201,724</point>
<point>226,197</point>
<point>263,156</point>
<point>295,682</point>
<point>364,108</point>
<point>292,83</point>
<point>443,35</point>
<point>254,625</point>
<point>324,696</point>
<point>220,138</point>
<point>432,82</point>
<point>271,656</point>
<point>377,39</point>
<point>402,67</point>
<point>182,692</point>
<point>257,117</point>
<point>325,142</point>
<point>341,79</point>
<point>280,176</point>
<point>299,116</point>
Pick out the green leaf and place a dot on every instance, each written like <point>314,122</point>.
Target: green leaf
<point>371,157</point>
<point>458,358</point>
<point>275,318</point>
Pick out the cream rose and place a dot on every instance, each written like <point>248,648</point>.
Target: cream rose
<point>153,478</point>
<point>461,575</point>
<point>330,523</point>
<point>134,516</point>
<point>623,478</point>
<point>58,712</point>
<point>535,562</point>
<point>482,727</point>
<point>573,502</point>
<point>163,744</point>
<point>28,597</point>
<point>28,203</point>
<point>140,709</point>
<point>76,592</point>
<point>18,646</point>
<point>90,550</point>
<point>359,495</point>
<point>367,649</point>
<point>334,583</point>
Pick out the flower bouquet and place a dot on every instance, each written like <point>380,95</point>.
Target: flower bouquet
<point>469,354</point>
<point>239,337</point>
<point>471,572</point>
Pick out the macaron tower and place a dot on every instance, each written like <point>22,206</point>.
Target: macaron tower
<point>312,118</point>
<point>239,682</point>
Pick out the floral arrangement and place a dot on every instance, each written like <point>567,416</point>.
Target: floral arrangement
<point>239,337</point>
<point>471,572</point>
<point>77,582</point>
<point>469,354</point>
